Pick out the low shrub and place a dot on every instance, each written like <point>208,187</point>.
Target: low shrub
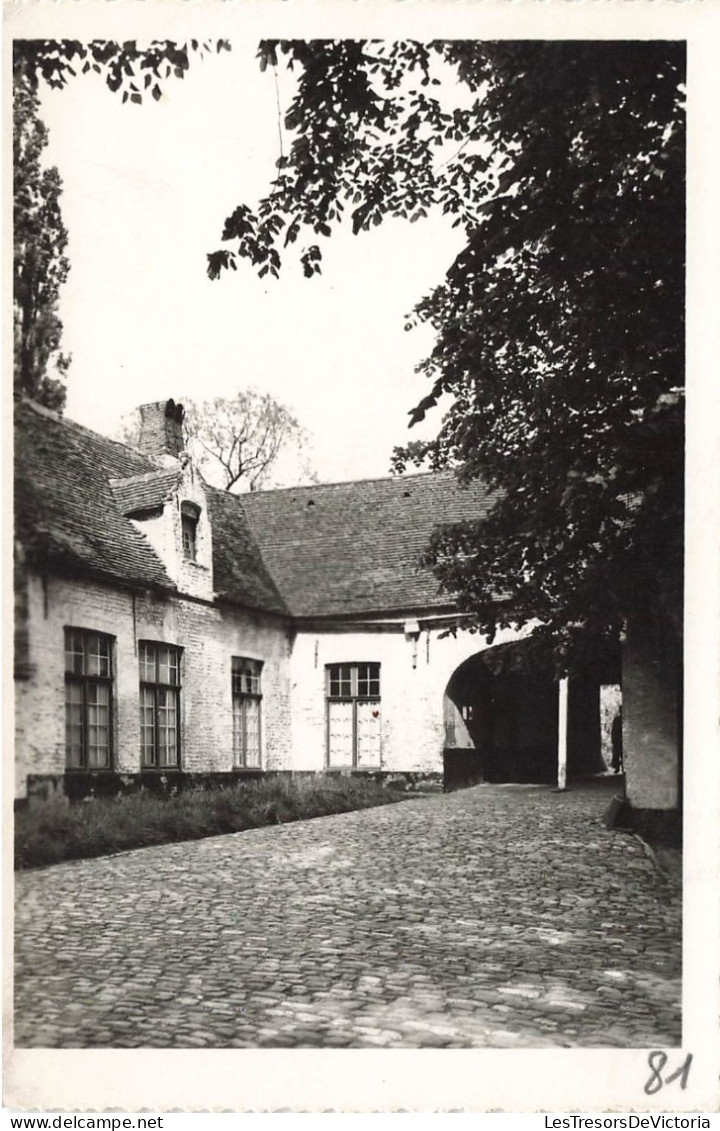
<point>52,832</point>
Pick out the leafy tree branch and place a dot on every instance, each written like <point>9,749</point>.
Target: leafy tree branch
<point>559,326</point>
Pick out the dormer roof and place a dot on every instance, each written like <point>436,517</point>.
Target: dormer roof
<point>145,492</point>
<point>75,491</point>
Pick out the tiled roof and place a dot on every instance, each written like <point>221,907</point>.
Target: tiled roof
<point>65,512</point>
<point>239,572</point>
<point>145,492</point>
<point>332,550</point>
<point>353,548</point>
<point>73,490</point>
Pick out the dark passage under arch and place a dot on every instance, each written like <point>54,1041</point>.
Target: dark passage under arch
<point>504,727</point>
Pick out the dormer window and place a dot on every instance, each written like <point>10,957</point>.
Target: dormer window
<point>189,515</point>
<point>189,526</point>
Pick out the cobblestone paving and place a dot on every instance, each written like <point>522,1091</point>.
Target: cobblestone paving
<point>496,916</point>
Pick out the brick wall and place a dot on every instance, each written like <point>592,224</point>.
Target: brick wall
<point>209,637</point>
<point>164,533</point>
<point>414,676</point>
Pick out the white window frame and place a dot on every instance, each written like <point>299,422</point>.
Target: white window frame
<point>246,691</point>
<point>360,691</point>
<point>81,678</point>
<point>154,687</point>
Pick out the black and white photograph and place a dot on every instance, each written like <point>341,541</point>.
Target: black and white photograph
<point>365,654</point>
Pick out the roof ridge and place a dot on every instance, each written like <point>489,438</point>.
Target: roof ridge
<point>41,409</point>
<point>60,418</point>
<point>342,483</point>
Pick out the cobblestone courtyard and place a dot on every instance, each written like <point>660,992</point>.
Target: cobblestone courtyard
<point>497,916</point>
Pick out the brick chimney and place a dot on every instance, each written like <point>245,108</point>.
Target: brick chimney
<point>161,429</point>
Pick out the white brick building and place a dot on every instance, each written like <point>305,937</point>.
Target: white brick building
<point>167,631</point>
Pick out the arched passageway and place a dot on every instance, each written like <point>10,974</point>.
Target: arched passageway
<point>502,726</point>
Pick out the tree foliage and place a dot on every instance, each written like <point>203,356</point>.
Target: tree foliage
<point>40,237</point>
<point>40,266</point>
<point>133,70</point>
<point>559,326</point>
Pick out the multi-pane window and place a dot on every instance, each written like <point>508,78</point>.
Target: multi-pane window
<point>159,705</point>
<point>188,536</point>
<point>189,518</point>
<point>246,703</point>
<point>353,716</point>
<point>88,699</point>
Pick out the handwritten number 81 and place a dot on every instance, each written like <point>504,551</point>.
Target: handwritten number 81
<point>657,1061</point>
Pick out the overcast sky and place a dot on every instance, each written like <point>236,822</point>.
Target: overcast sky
<point>146,191</point>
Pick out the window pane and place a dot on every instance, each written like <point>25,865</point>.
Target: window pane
<point>92,659</point>
<point>341,680</point>
<point>98,697</point>
<point>165,699</point>
<point>167,745</point>
<point>73,740</point>
<point>74,693</point>
<point>238,743</point>
<point>74,715</point>
<point>252,732</point>
<point>88,657</point>
<point>246,676</point>
<point>147,725</point>
<point>368,680</point>
<point>246,731</point>
<point>340,734</point>
<point>164,665</point>
<point>368,735</point>
<point>167,727</point>
<point>167,665</point>
<point>159,722</point>
<point>350,680</point>
<point>99,759</point>
<point>188,537</point>
<point>74,652</point>
<point>354,715</point>
<point>98,747</point>
<point>364,679</point>
<point>147,663</point>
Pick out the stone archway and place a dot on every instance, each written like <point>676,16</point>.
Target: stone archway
<point>499,727</point>
<point>502,726</point>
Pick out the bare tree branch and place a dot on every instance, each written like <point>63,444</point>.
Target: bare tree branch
<point>238,440</point>
<point>240,443</point>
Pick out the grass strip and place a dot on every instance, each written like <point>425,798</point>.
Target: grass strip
<point>53,832</point>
